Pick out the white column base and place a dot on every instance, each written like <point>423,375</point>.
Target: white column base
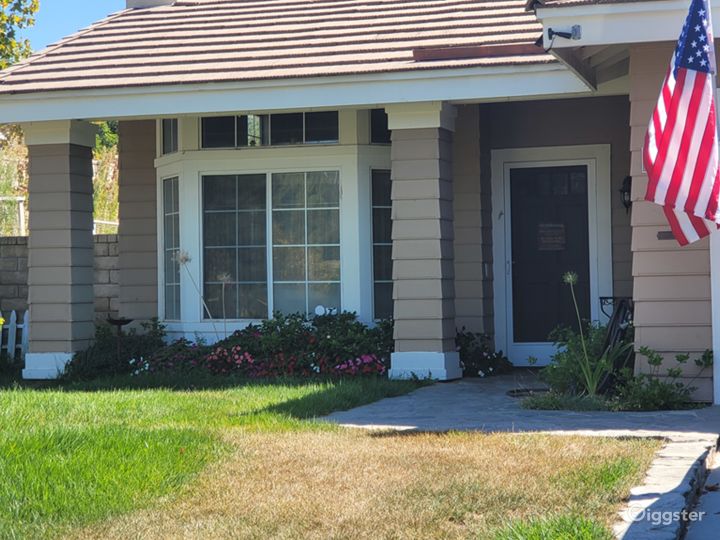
<point>44,366</point>
<point>425,365</point>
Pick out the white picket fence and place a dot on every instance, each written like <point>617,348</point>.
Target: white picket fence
<point>15,334</point>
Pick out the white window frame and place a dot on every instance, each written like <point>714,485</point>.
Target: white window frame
<point>597,160</point>
<point>354,164</point>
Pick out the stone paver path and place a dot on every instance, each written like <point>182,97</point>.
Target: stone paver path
<point>483,404</point>
<point>707,524</point>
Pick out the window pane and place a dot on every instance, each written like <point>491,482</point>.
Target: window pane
<point>379,132</point>
<point>252,192</point>
<point>253,130</point>
<point>171,247</point>
<point>251,228</point>
<point>240,227</point>
<point>172,310</point>
<point>252,301</point>
<point>323,294</point>
<point>324,264</point>
<point>289,264</point>
<point>381,188</point>
<point>171,267</point>
<point>382,263</point>
<point>169,135</point>
<point>382,226</point>
<point>286,128</point>
<point>289,298</point>
<point>218,132</point>
<point>171,240</point>
<point>321,126</point>
<point>219,192</point>
<point>323,227</point>
<point>382,243</point>
<point>252,265</point>
<point>383,300</point>
<point>323,189</point>
<point>220,229</point>
<point>220,304</point>
<point>288,190</point>
<point>289,227</point>
<point>220,265</point>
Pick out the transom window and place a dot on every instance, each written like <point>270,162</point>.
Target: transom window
<point>169,135</point>
<point>270,129</point>
<point>297,243</point>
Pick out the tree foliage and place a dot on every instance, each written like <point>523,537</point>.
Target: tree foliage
<point>15,15</point>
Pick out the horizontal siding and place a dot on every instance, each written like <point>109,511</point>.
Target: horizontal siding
<point>671,284</point>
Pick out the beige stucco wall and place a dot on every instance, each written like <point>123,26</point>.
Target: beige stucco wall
<point>138,221</point>
<point>672,284</point>
<point>480,129</point>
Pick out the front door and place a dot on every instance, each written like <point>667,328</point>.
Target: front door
<point>548,236</point>
<point>550,215</point>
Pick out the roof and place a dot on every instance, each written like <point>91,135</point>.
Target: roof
<point>213,41</point>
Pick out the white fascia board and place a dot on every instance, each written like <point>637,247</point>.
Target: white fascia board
<point>466,84</point>
<point>616,23</point>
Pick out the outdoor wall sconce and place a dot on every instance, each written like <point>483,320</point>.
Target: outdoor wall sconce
<point>626,193</point>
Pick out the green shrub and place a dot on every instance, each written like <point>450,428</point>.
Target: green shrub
<point>647,392</point>
<point>477,357</point>
<point>644,392</point>
<point>286,345</point>
<point>564,375</point>
<point>108,356</point>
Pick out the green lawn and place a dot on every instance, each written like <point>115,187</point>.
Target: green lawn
<point>221,458</point>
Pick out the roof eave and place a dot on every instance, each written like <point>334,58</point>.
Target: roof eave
<point>503,82</point>
<point>615,23</point>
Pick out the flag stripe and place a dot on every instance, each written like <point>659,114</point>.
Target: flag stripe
<point>680,153</point>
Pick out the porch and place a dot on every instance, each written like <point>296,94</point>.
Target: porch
<point>232,231</point>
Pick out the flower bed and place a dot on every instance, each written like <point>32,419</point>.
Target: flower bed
<point>293,345</point>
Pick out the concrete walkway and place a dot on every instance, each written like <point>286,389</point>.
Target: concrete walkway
<point>672,483</point>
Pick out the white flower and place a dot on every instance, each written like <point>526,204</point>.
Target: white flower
<point>182,257</point>
<point>481,373</point>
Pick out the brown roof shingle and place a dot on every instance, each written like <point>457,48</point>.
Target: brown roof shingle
<point>198,41</point>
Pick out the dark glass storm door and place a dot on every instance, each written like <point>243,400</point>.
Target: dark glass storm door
<point>549,237</point>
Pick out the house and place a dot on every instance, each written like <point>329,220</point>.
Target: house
<point>422,158</point>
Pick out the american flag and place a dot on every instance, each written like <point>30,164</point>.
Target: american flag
<point>681,146</point>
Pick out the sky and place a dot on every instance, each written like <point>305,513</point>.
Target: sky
<point>59,18</point>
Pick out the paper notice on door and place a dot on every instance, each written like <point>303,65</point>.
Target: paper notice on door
<point>551,237</point>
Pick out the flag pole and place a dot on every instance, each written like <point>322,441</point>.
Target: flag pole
<point>715,246</point>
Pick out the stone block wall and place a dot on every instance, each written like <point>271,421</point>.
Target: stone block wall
<point>14,275</point>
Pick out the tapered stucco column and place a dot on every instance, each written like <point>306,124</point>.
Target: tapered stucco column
<point>60,260</point>
<point>137,233</point>
<point>422,233</point>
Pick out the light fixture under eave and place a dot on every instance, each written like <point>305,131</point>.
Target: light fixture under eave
<point>626,193</point>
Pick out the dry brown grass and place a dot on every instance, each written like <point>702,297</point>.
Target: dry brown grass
<point>359,485</point>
